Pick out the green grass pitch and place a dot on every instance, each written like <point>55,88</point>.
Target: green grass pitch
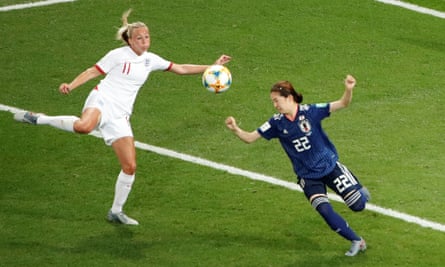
<point>56,187</point>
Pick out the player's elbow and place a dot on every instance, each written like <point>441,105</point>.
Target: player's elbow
<point>249,138</point>
<point>345,104</point>
<point>179,69</point>
<point>248,141</point>
<point>337,105</point>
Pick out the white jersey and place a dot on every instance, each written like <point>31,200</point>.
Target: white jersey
<point>126,72</point>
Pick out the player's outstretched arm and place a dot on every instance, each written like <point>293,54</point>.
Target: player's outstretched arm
<point>346,99</point>
<point>185,69</point>
<point>247,137</point>
<point>82,78</point>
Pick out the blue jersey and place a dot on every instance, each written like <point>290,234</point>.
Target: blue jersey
<point>311,152</point>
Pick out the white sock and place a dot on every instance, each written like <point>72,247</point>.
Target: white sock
<point>122,190</point>
<point>65,123</point>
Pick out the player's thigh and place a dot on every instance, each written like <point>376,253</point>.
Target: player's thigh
<point>342,180</point>
<point>92,110</point>
<point>88,121</point>
<point>312,187</point>
<point>91,116</point>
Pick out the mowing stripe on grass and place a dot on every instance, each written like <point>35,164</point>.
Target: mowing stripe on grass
<point>264,178</point>
<point>34,4</point>
<point>416,8</point>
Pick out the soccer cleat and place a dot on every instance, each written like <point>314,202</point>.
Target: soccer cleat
<point>26,116</point>
<point>121,218</point>
<point>365,192</point>
<point>356,247</point>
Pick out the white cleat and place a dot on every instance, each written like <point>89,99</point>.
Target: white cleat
<point>356,247</point>
<point>26,116</point>
<point>121,218</point>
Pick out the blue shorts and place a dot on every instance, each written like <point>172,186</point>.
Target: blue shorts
<point>340,180</point>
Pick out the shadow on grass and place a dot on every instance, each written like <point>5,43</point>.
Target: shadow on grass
<point>120,243</point>
<point>435,45</point>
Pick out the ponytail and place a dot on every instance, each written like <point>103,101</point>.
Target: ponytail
<point>285,89</point>
<point>123,32</point>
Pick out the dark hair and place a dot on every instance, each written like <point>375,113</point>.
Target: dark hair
<point>285,89</point>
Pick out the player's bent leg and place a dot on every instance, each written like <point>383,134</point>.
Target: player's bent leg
<point>348,186</point>
<point>88,121</point>
<point>60,122</point>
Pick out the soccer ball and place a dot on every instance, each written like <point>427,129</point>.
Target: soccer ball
<point>217,79</point>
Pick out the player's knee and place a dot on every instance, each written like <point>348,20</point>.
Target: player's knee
<point>358,206</point>
<point>129,168</point>
<point>317,202</point>
<point>356,201</point>
<point>84,127</point>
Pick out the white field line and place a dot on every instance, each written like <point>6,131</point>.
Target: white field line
<point>264,178</point>
<point>409,6</point>
<point>415,8</point>
<point>34,4</point>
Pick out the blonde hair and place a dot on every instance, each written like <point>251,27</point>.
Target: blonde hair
<point>125,31</point>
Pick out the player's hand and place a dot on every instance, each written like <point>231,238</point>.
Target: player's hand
<point>350,82</point>
<point>231,123</point>
<point>223,60</point>
<point>64,88</point>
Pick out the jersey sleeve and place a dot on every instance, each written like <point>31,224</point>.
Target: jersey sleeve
<point>321,110</point>
<point>268,130</point>
<point>159,63</point>
<point>107,62</point>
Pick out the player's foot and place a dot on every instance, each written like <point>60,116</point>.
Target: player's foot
<point>365,192</point>
<point>121,218</point>
<point>26,116</point>
<point>356,247</point>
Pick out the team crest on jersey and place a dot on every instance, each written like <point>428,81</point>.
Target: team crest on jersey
<point>304,124</point>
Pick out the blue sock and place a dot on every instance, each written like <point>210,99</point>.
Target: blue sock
<point>336,222</point>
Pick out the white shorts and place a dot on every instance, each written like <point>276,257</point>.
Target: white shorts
<point>113,123</point>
